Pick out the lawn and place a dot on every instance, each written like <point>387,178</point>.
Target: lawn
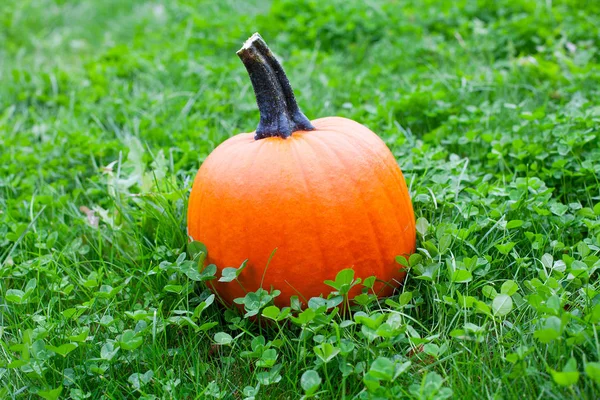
<point>109,107</point>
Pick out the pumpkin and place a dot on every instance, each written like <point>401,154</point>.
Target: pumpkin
<point>298,199</point>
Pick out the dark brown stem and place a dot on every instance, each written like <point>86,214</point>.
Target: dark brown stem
<point>279,112</point>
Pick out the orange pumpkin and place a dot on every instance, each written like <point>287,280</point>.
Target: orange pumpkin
<point>326,195</point>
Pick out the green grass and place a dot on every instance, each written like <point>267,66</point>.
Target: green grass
<point>107,109</point>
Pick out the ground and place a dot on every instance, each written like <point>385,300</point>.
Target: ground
<point>108,108</point>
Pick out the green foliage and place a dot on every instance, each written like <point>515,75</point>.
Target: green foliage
<point>107,108</point>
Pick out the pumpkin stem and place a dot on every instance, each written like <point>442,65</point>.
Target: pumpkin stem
<point>279,112</point>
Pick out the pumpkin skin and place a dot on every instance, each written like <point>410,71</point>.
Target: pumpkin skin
<point>323,199</point>
<point>327,199</point>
